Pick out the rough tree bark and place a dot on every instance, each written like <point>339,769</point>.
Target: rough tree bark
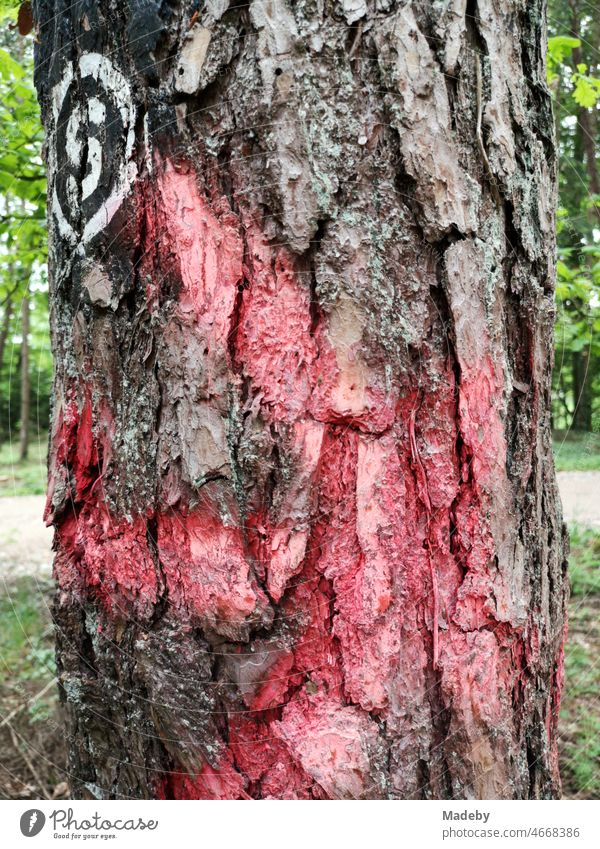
<point>308,539</point>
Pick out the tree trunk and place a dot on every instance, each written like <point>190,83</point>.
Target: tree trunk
<point>308,538</point>
<point>582,390</point>
<point>587,117</point>
<point>24,427</point>
<point>582,361</point>
<point>5,329</point>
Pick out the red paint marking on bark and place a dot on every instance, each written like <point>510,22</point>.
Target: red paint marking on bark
<point>108,556</point>
<point>209,251</point>
<point>274,341</point>
<point>262,676</point>
<point>96,551</point>
<point>206,568</point>
<point>360,546</point>
<point>478,680</point>
<point>80,447</point>
<point>274,768</point>
<point>284,534</point>
<point>424,495</point>
<point>334,743</point>
<point>222,782</point>
<point>316,652</point>
<point>345,390</point>
<point>273,692</point>
<point>363,526</point>
<point>266,761</point>
<point>485,507</point>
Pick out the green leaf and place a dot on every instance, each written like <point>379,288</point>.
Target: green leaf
<point>9,8</point>
<point>560,47</point>
<point>563,270</point>
<point>9,68</point>
<point>587,90</point>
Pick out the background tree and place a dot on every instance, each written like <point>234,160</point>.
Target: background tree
<point>23,237</point>
<point>25,384</point>
<point>7,310</point>
<point>308,539</point>
<point>573,54</point>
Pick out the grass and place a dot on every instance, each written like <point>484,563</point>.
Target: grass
<point>580,717</point>
<point>576,452</point>
<point>584,561</point>
<point>26,477</point>
<point>31,733</point>
<point>26,651</point>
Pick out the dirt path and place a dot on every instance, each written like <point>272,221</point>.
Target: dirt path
<point>580,493</point>
<point>25,544</point>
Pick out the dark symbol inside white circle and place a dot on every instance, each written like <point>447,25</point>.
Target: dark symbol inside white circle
<point>94,120</point>
<point>32,822</point>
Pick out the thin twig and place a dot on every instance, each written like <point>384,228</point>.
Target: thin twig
<point>6,720</point>
<point>15,736</point>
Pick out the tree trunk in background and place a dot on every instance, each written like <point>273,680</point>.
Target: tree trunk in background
<point>582,361</point>
<point>582,389</point>
<point>5,328</point>
<point>587,117</point>
<point>308,539</point>
<point>24,426</point>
